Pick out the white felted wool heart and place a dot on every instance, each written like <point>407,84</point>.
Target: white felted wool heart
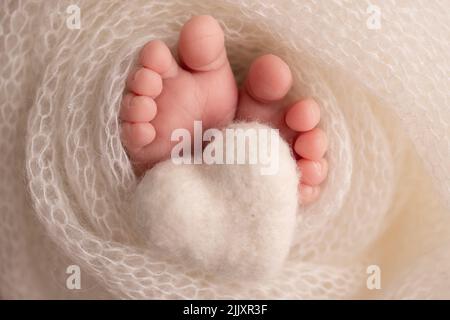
<point>235,221</point>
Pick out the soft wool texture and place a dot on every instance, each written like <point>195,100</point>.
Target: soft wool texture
<point>229,221</point>
<point>66,183</point>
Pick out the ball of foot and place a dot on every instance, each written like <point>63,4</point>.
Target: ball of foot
<point>229,221</point>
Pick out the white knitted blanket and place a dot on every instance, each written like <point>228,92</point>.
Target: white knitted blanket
<point>381,75</point>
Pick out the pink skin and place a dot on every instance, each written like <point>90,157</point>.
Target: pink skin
<point>262,98</point>
<point>164,96</point>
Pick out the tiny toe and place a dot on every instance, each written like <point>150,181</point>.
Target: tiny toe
<point>202,44</point>
<point>268,79</point>
<point>313,172</point>
<point>308,194</point>
<point>137,135</point>
<point>137,108</point>
<point>312,144</point>
<point>304,115</point>
<point>145,82</point>
<point>156,56</point>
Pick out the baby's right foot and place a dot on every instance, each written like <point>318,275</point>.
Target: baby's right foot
<point>262,98</point>
<point>164,96</point>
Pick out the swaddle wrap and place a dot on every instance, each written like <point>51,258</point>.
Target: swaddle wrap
<point>67,183</point>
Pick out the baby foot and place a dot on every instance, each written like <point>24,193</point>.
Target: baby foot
<point>261,98</point>
<point>164,96</point>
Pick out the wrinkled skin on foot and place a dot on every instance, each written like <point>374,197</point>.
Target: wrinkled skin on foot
<point>164,95</point>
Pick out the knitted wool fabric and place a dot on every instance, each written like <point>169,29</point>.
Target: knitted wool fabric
<point>66,182</point>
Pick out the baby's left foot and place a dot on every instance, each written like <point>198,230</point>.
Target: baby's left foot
<point>261,98</point>
<point>164,96</point>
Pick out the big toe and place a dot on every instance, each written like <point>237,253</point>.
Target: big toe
<point>201,44</point>
<point>269,78</point>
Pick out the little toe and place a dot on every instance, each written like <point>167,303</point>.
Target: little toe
<point>145,82</point>
<point>156,56</point>
<point>201,45</point>
<point>308,194</point>
<point>312,144</point>
<point>304,115</point>
<point>269,79</point>
<point>137,108</point>
<point>137,135</point>
<point>313,172</point>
